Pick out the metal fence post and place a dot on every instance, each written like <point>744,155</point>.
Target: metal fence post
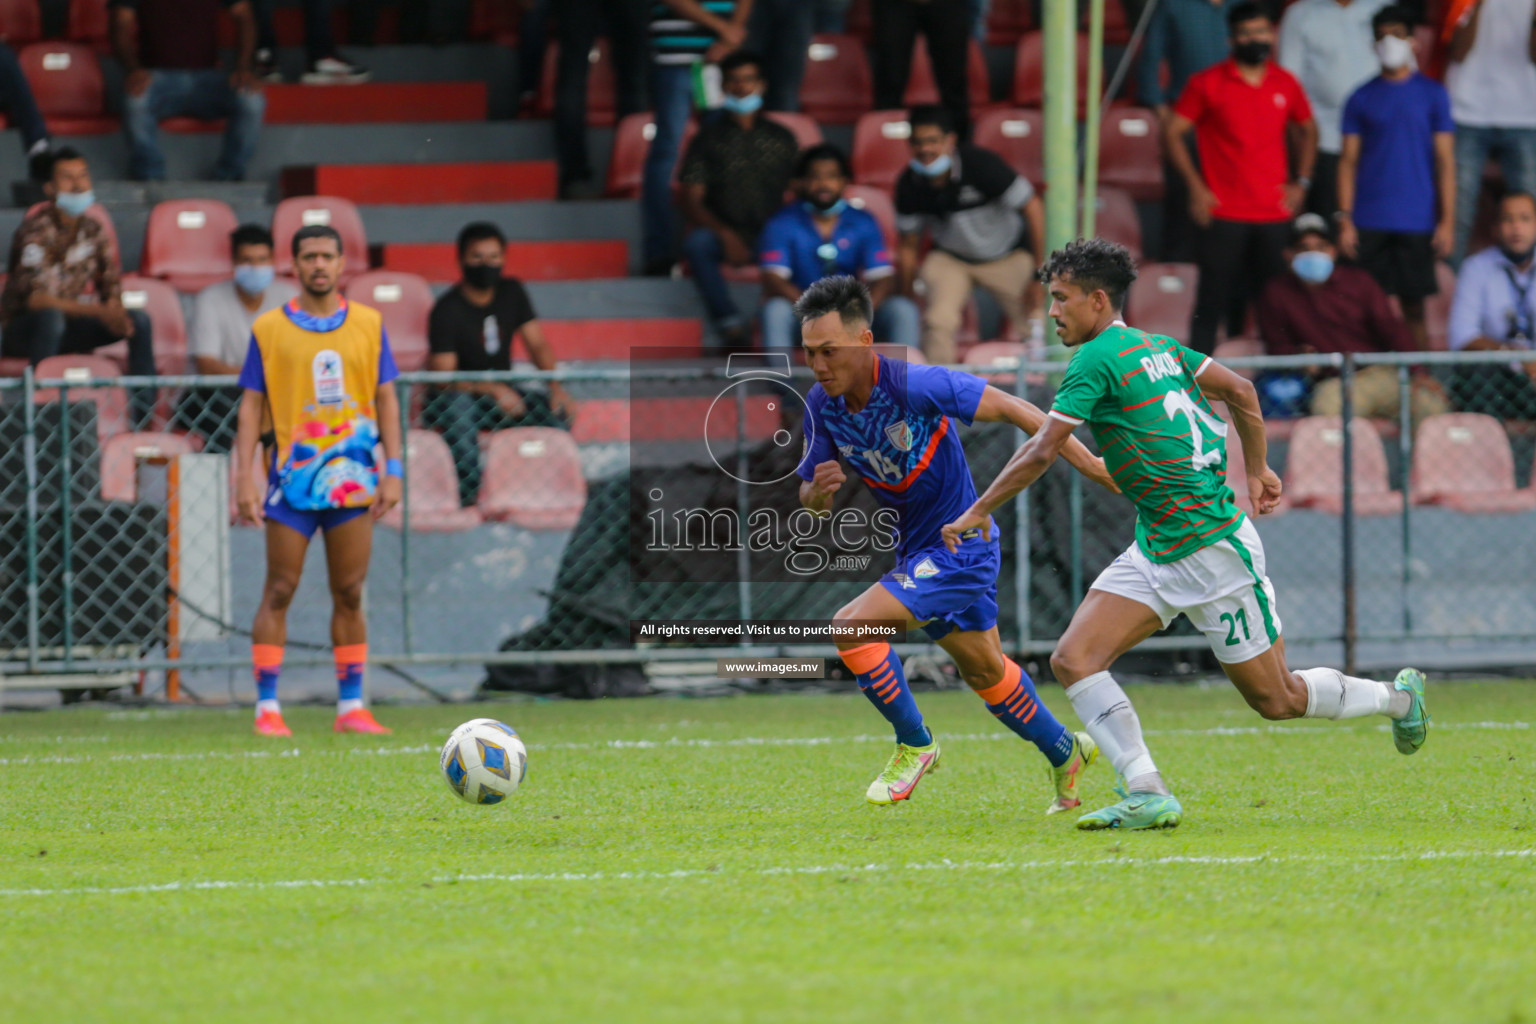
<point>407,619</point>
<point>1347,387</point>
<point>743,556</point>
<point>29,446</point>
<point>1405,456</point>
<point>66,528</point>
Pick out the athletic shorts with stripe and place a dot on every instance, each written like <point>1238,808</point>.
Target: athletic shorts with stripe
<point>1222,588</point>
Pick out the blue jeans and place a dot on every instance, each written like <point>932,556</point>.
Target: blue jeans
<point>42,333</point>
<point>1515,149</point>
<point>17,100</point>
<point>897,322</point>
<point>706,255</point>
<point>672,99</point>
<point>204,95</point>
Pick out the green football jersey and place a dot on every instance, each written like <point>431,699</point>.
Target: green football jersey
<point>1162,443</point>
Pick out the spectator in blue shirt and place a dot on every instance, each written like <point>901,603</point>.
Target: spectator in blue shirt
<point>1397,173</point>
<point>822,236</point>
<point>1495,308</point>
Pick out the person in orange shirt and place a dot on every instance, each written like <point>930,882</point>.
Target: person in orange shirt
<point>318,378</point>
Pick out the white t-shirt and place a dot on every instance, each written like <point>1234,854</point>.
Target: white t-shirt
<point>221,325</point>
<point>1495,87</point>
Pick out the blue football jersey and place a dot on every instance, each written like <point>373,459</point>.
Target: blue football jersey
<point>903,444</point>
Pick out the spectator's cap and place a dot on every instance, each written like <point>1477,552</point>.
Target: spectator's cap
<point>1311,224</point>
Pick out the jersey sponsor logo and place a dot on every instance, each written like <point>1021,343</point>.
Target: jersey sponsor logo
<point>1160,365</point>
<point>330,382</point>
<point>900,435</point>
<point>925,569</point>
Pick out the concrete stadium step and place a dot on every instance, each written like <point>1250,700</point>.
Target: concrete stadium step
<point>496,66</point>
<point>531,261</point>
<point>529,221</point>
<point>416,183</point>
<point>632,297</point>
<point>376,103</point>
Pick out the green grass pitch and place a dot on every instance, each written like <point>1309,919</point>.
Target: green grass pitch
<point>714,861</point>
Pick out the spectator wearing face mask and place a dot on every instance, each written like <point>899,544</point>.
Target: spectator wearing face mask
<point>980,215</point>
<point>819,236</point>
<point>222,315</point>
<point>734,176</point>
<point>1397,173</point>
<point>1244,113</point>
<point>1319,307</point>
<point>1494,309</point>
<point>472,328</point>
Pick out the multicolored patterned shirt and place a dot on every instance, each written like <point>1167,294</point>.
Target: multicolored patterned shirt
<point>67,263</point>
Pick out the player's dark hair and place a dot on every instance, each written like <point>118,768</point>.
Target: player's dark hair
<point>1393,15</point>
<point>55,158</point>
<point>931,115</point>
<point>1093,264</point>
<point>479,231</point>
<point>249,234</point>
<point>309,231</point>
<point>1248,10</point>
<point>819,152</point>
<point>740,59</point>
<point>846,296</point>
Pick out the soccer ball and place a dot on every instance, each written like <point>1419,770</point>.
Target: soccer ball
<point>484,761</point>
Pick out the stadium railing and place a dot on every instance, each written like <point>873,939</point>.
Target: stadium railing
<point>1403,535</point>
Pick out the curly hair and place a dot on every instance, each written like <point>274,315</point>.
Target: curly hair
<point>1093,264</point>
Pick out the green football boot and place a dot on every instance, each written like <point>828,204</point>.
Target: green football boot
<point>1065,777</point>
<point>1135,811</point>
<point>902,773</point>
<point>1410,731</point>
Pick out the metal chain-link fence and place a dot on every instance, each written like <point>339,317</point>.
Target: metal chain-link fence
<point>531,502</point>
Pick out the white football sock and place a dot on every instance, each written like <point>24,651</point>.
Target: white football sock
<point>1332,694</point>
<point>344,706</point>
<point>1109,718</point>
<point>263,706</point>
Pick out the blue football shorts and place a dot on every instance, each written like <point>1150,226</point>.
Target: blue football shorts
<point>948,592</point>
<point>306,521</point>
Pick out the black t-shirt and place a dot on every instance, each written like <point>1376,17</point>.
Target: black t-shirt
<point>481,336</point>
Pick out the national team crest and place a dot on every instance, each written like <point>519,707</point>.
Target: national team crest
<point>900,435</point>
<point>925,569</point>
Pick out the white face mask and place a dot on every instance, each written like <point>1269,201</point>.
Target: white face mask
<point>1394,52</point>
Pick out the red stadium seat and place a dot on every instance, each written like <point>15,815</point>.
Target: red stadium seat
<point>921,88</point>
<point>66,81</point>
<point>89,22</point>
<point>21,22</point>
<point>120,457</point>
<point>187,243</point>
<point>111,403</point>
<point>1131,154</point>
<point>1314,467</point>
<point>880,148</point>
<point>405,302</point>
<point>99,214</point>
<point>837,86</point>
<point>1237,473</point>
<point>334,211</point>
<point>806,131</point>
<point>1463,461</point>
<point>1017,135</point>
<point>432,487</point>
<point>1029,67</point>
<point>1116,219</point>
<point>600,84</point>
<point>1162,299</point>
<point>160,301</point>
<point>533,478</point>
<point>877,203</point>
<point>1238,348</point>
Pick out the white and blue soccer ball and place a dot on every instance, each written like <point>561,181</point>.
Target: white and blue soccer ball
<point>484,761</point>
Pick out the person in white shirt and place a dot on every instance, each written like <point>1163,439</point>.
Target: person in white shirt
<point>1492,81</point>
<point>222,315</point>
<point>1330,47</point>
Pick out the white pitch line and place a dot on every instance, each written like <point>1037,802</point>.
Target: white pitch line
<point>702,743</point>
<point>770,872</point>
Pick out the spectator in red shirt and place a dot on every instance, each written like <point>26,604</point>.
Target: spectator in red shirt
<point>1319,307</point>
<point>1242,111</point>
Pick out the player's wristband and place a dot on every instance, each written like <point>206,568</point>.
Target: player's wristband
<point>392,467</point>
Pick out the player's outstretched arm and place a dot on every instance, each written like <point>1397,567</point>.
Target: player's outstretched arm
<point>1242,401</point>
<point>390,489</point>
<point>998,406</point>
<point>1028,464</point>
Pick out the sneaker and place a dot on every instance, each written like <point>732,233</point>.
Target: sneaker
<point>360,720</point>
<point>266,67</point>
<point>1065,777</point>
<point>335,71</point>
<point>1410,731</point>
<point>270,723</point>
<point>902,772</point>
<point>1135,811</point>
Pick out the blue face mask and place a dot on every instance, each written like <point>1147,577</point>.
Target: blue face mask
<point>1313,267</point>
<point>933,170</point>
<point>742,104</point>
<point>834,210</point>
<point>75,203</point>
<point>253,279</point>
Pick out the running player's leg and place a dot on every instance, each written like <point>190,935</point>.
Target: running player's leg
<point>1009,693</point>
<point>883,681</point>
<point>348,547</point>
<point>286,546</point>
